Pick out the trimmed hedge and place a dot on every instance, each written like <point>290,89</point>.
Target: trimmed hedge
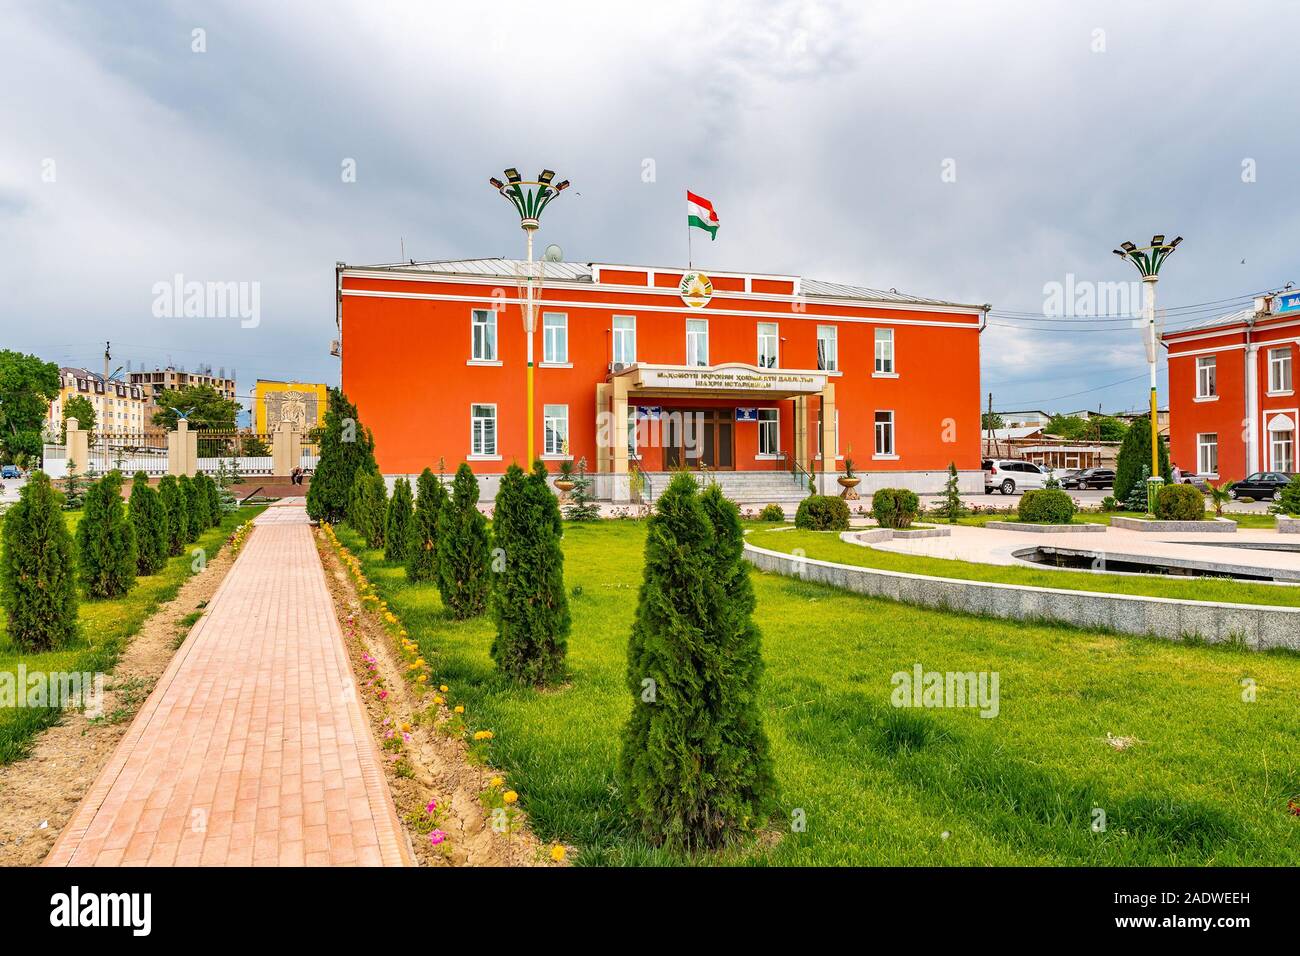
<point>772,513</point>
<point>895,507</point>
<point>822,513</point>
<point>1046,506</point>
<point>1180,503</point>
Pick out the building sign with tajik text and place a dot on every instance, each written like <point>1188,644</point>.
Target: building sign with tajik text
<point>737,378</point>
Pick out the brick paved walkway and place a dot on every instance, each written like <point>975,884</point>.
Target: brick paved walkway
<point>252,748</point>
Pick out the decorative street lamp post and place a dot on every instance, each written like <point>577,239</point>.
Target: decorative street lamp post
<point>529,199</point>
<point>1148,260</point>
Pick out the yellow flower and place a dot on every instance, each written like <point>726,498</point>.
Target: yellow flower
<point>509,796</point>
<point>419,662</point>
<point>437,700</point>
<point>422,678</point>
<point>483,735</point>
<point>443,688</point>
<point>557,853</point>
<point>460,708</point>
<point>496,781</point>
<point>406,728</point>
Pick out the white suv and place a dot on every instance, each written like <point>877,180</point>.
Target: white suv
<point>1009,476</point>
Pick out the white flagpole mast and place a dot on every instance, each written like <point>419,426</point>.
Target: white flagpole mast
<point>690,263</point>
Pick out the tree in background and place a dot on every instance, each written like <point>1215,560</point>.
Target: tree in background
<point>369,507</point>
<point>205,408</point>
<point>529,604</point>
<point>37,575</point>
<point>173,502</point>
<point>254,446</point>
<point>27,386</point>
<point>422,550</point>
<point>463,549</point>
<point>149,519</point>
<point>693,766</point>
<point>990,421</point>
<point>397,523</point>
<point>580,506</point>
<point>1134,454</point>
<point>346,448</point>
<point>79,407</point>
<point>74,488</point>
<point>106,546</point>
<point>195,509</point>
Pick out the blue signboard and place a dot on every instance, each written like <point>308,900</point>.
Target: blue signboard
<point>649,412</point>
<point>747,414</point>
<point>1286,302</point>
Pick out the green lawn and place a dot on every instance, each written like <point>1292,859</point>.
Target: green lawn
<point>1207,781</point>
<point>106,627</point>
<point>827,546</point>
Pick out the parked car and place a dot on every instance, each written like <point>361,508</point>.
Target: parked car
<point>1196,481</point>
<point>10,471</point>
<point>1090,478</point>
<point>1010,475</point>
<point>1261,485</point>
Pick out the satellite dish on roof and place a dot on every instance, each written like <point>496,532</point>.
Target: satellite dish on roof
<point>553,253</point>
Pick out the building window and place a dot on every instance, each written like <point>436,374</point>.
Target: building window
<point>769,431</point>
<point>625,340</point>
<point>828,353</point>
<point>555,337</point>
<point>1279,369</point>
<point>768,344</point>
<point>1207,454</point>
<point>483,429</point>
<point>884,433</point>
<point>1282,447</point>
<point>1206,384</point>
<point>697,342</point>
<point>484,325</point>
<point>555,426</point>
<point>884,351</point>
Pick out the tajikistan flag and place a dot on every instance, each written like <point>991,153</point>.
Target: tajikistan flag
<point>699,213</point>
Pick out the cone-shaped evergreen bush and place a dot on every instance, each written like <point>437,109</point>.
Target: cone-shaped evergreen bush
<point>529,605</point>
<point>463,573</point>
<point>149,518</point>
<point>345,449</point>
<point>694,766</point>
<point>38,586</point>
<point>196,508</point>
<point>212,498</point>
<point>397,523</point>
<point>1134,454</point>
<point>369,507</point>
<point>106,549</point>
<point>422,549</point>
<point>173,502</point>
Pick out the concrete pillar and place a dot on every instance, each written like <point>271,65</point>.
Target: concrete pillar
<point>1253,436</point>
<point>78,447</point>
<point>182,450</point>
<point>801,453</point>
<point>286,449</point>
<point>603,440</point>
<point>621,488</point>
<point>828,463</point>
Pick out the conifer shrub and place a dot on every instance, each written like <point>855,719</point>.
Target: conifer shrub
<point>1180,503</point>
<point>369,507</point>
<point>106,548</point>
<point>529,604</point>
<point>149,519</point>
<point>422,550</point>
<point>822,513</point>
<point>397,522</point>
<point>581,507</point>
<point>196,508</point>
<point>463,549</point>
<point>38,585</point>
<point>1289,503</point>
<point>1133,463</point>
<point>173,502</point>
<point>895,507</point>
<point>694,765</point>
<point>1045,506</point>
<point>952,507</point>
<point>346,448</point>
<point>213,494</point>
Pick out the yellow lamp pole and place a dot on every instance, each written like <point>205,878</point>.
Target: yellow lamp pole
<point>529,197</point>
<point>1148,261</point>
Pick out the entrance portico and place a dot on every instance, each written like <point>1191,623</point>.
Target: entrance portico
<point>690,413</point>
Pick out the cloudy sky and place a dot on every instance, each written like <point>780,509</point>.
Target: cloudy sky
<point>975,152</point>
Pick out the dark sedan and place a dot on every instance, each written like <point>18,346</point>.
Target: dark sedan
<point>1090,478</point>
<point>1262,486</point>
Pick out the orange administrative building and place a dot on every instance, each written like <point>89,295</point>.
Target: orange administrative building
<point>647,369</point>
<point>1232,401</point>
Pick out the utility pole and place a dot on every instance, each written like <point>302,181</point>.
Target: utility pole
<point>108,357</point>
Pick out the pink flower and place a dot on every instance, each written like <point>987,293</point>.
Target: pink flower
<point>383,695</point>
<point>436,837</point>
<point>431,806</point>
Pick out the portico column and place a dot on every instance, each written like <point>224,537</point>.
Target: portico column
<point>621,490</point>
<point>1252,409</point>
<point>801,456</point>
<point>604,440</point>
<point>829,465</point>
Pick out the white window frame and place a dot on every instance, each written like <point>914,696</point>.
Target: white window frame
<point>1280,371</point>
<point>1207,378</point>
<point>483,349</point>
<point>555,338</point>
<point>1275,444</point>
<point>829,361</point>
<point>888,450</point>
<point>1207,454</point>
<point>694,331</point>
<point>555,422</point>
<point>478,447</point>
<point>885,366</point>
<point>769,336</point>
<point>769,423</point>
<point>624,341</point>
